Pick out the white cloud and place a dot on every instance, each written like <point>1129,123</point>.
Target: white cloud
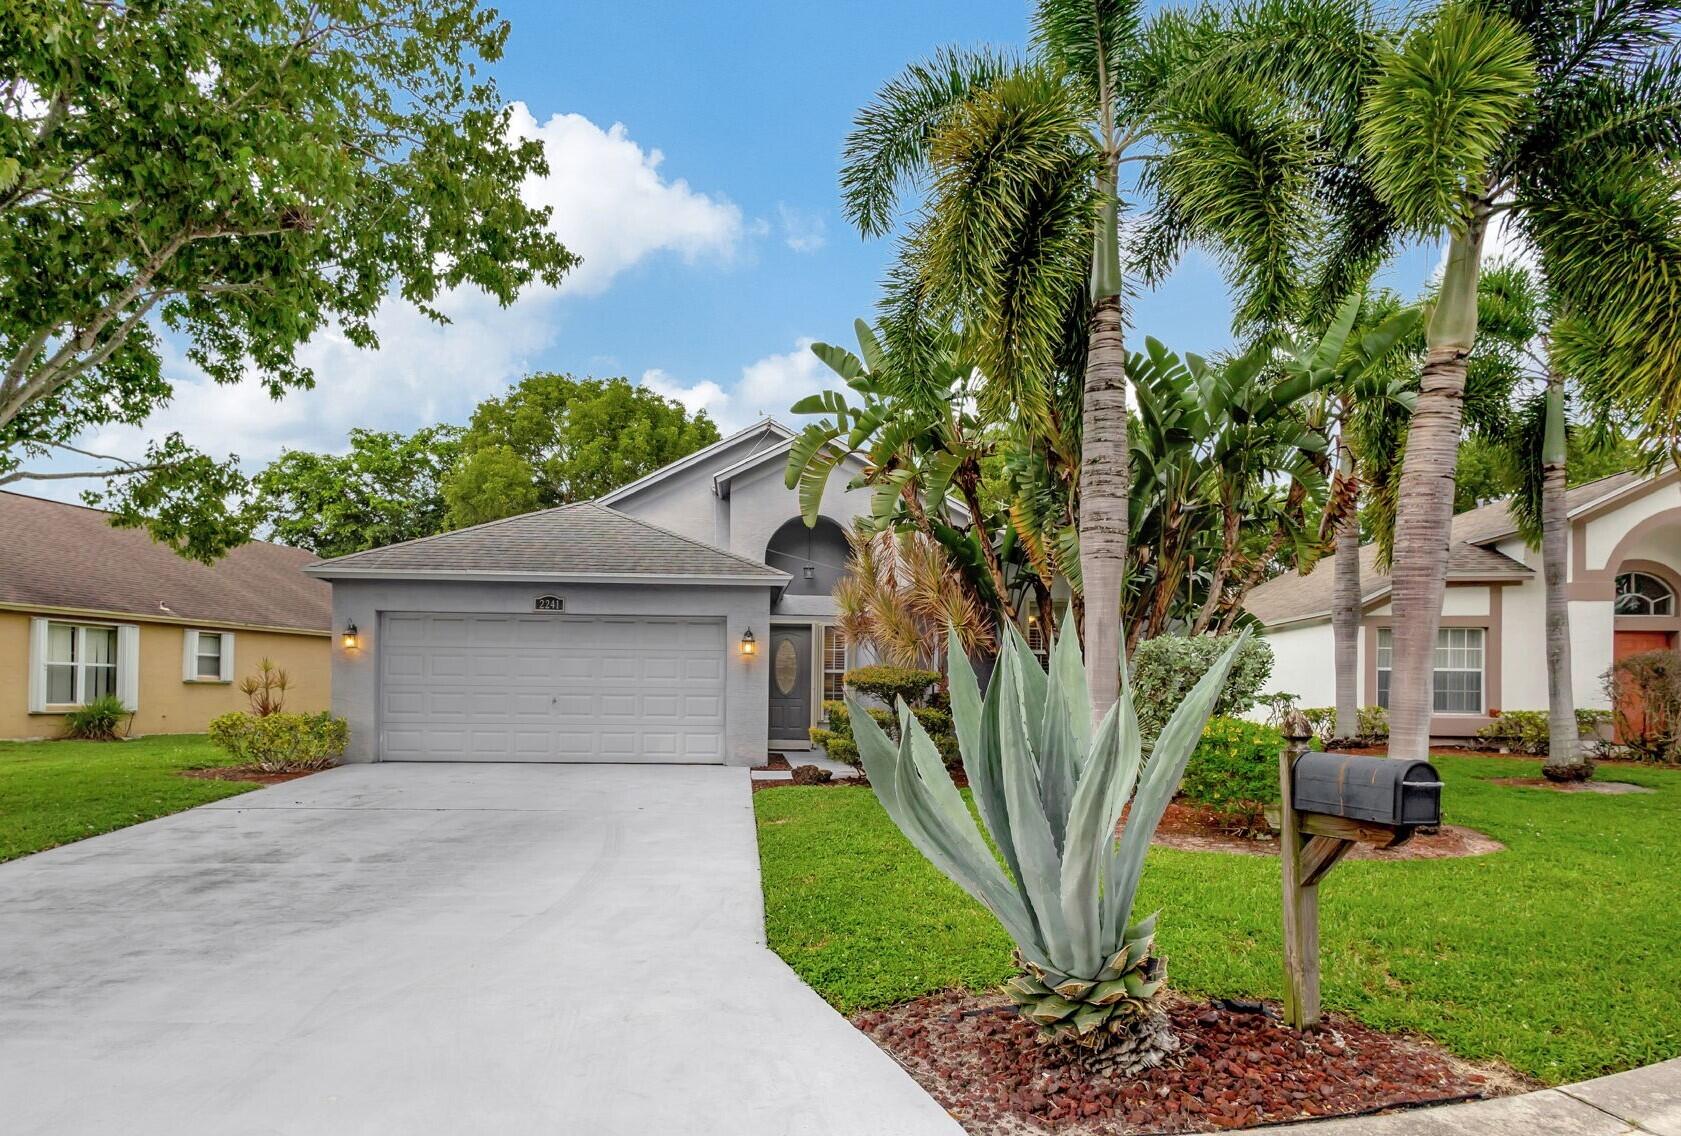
<point>767,386</point>
<point>801,231</point>
<point>611,206</point>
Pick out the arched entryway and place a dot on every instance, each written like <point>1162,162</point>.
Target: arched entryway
<point>814,556</point>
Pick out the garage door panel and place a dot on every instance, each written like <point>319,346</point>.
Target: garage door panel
<point>548,688</point>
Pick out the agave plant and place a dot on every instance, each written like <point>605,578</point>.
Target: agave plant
<point>1050,790</point>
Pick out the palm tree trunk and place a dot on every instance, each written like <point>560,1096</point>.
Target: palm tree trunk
<point>1564,761</point>
<point>1424,517</point>
<point>1345,626</point>
<point>1103,500</point>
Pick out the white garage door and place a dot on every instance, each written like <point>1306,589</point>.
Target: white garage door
<point>551,688</point>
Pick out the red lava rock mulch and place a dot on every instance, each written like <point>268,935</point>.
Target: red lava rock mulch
<point>1236,1069</point>
<point>245,773</point>
<point>1192,829</point>
<point>774,761</point>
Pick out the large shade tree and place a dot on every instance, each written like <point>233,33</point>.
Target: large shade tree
<point>238,175</point>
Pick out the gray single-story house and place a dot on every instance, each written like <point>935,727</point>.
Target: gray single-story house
<point>685,617</point>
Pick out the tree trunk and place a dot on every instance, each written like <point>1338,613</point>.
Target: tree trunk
<point>1103,501</point>
<point>1345,626</point>
<point>1424,517</point>
<point>1564,760</point>
<point>1230,530</point>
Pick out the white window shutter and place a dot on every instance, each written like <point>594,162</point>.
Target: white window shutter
<point>37,666</point>
<point>128,665</point>
<point>189,656</point>
<point>227,656</point>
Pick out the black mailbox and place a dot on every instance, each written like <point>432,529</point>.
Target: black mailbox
<point>1386,790</point>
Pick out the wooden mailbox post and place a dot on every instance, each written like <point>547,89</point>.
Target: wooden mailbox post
<point>1329,803</point>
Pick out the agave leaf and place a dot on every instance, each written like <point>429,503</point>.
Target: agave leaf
<point>976,722</point>
<point>1108,993</point>
<point>1091,829</point>
<point>1145,928</point>
<point>1089,1017</point>
<point>1065,734</point>
<point>1032,681</point>
<point>1131,744</point>
<point>1158,783</point>
<point>1051,1009</point>
<point>950,846</point>
<point>1140,987</point>
<point>1041,868</point>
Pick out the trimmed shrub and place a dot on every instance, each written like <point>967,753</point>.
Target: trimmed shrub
<point>1165,668</point>
<point>1322,720</point>
<point>1527,731</point>
<point>891,683</point>
<point>282,743</point>
<point>1234,770</point>
<point>98,721</point>
<point>1373,722</point>
<point>836,740</point>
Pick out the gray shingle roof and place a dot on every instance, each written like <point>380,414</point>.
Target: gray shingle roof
<point>581,541</point>
<point>1291,596</point>
<point>68,556</point>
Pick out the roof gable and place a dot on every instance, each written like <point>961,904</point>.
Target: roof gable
<point>584,541</point>
<point>56,555</point>
<point>774,434</point>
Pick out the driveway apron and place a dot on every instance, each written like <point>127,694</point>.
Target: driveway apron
<point>419,949</point>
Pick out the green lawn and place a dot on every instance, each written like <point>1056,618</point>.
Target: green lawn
<point>57,791</point>
<point>1561,955</point>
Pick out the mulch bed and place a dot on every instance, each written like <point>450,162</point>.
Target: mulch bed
<point>1193,829</point>
<point>245,773</point>
<point>773,761</point>
<point>1609,788</point>
<point>1238,1067</point>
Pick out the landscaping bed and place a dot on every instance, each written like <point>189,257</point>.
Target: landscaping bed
<point>1237,1067</point>
<point>248,773</point>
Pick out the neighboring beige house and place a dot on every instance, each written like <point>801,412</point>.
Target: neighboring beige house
<point>1625,576</point>
<point>87,609</point>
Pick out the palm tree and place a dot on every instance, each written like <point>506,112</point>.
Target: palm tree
<point>1019,238</point>
<point>1558,113</point>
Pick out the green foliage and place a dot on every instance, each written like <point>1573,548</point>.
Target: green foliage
<point>386,488</point>
<point>245,174</point>
<point>1050,789</point>
<point>1234,770</point>
<point>98,721</point>
<point>1166,668</point>
<point>837,741</point>
<point>892,683</point>
<point>1322,720</point>
<point>55,792</point>
<point>1373,722</point>
<point>1645,690</point>
<point>281,743</point>
<point>1464,950</point>
<point>1527,731</point>
<point>555,439</point>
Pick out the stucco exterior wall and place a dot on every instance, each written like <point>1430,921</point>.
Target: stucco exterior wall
<point>1523,655</point>
<point>356,672</point>
<point>1302,664</point>
<point>1604,532</point>
<point>168,705</point>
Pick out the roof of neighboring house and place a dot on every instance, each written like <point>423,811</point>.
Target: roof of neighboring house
<point>1292,596</point>
<point>57,555</point>
<point>585,541</point>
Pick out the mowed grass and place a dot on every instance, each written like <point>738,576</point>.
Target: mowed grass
<point>54,792</point>
<point>1561,955</point>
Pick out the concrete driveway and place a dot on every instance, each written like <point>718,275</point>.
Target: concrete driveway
<point>451,949</point>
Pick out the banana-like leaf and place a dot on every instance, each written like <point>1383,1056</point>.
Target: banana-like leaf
<point>810,447</point>
<point>869,345</point>
<point>1158,783</point>
<point>839,360</point>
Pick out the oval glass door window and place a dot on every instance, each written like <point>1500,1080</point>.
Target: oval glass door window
<point>787,667</point>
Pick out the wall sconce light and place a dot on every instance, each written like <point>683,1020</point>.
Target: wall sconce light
<point>349,637</point>
<point>749,645</point>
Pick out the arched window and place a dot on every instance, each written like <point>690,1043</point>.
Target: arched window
<point>1641,593</point>
<point>815,557</point>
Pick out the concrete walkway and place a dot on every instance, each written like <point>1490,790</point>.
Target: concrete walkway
<point>1640,1101</point>
<point>410,950</point>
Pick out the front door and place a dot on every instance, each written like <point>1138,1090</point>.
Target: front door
<point>790,684</point>
<point>1626,642</point>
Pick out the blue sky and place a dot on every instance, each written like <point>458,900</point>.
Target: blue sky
<point>695,151</point>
